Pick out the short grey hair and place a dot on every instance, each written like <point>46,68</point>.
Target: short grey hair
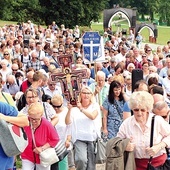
<point>101,74</point>
<point>160,105</point>
<point>141,98</point>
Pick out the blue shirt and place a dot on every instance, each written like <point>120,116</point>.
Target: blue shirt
<point>105,70</point>
<point>5,161</point>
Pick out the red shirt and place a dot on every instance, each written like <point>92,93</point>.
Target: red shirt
<point>45,133</point>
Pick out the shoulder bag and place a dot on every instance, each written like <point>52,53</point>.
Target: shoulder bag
<point>47,156</point>
<point>166,165</point>
<point>100,151</point>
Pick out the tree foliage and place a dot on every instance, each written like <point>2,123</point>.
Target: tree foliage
<point>68,12</point>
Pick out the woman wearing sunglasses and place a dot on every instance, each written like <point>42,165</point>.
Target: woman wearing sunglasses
<point>138,129</point>
<point>61,127</point>
<point>85,122</point>
<point>31,96</point>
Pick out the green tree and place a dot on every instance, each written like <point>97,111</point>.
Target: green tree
<point>72,12</point>
<point>163,11</point>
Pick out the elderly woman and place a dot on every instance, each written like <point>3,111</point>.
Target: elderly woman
<point>138,129</point>
<point>45,136</point>
<point>85,122</point>
<point>31,96</point>
<point>5,70</point>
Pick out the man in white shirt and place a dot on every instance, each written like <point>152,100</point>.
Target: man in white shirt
<point>121,56</point>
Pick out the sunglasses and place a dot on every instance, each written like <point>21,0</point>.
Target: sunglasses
<point>56,106</point>
<point>52,84</point>
<point>6,54</point>
<point>55,52</point>
<point>137,110</point>
<point>14,70</point>
<point>168,75</point>
<point>165,116</point>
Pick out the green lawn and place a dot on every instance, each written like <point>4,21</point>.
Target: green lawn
<point>2,23</point>
<point>163,31</point>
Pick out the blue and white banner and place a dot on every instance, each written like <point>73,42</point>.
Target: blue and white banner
<point>93,47</point>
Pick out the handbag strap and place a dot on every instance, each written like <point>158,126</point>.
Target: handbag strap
<point>45,111</point>
<point>33,137</point>
<point>151,137</point>
<point>5,97</point>
<point>118,109</point>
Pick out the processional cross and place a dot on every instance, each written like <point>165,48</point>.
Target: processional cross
<point>70,79</point>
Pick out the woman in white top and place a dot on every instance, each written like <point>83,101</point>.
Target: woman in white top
<point>85,121</point>
<point>61,127</point>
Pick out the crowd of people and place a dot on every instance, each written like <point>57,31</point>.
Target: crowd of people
<point>106,102</point>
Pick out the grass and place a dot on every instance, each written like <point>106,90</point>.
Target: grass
<point>2,23</point>
<point>163,31</point>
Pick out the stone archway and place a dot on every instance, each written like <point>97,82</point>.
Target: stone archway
<point>153,31</point>
<point>129,14</point>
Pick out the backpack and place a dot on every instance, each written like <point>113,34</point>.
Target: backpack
<point>21,103</point>
<point>22,58</point>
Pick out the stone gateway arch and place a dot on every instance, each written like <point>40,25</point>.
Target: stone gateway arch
<point>130,16</point>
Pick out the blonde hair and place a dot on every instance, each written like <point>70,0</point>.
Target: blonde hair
<point>57,98</point>
<point>92,100</point>
<point>119,78</point>
<point>34,107</point>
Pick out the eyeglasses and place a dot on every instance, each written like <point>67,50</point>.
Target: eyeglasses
<point>6,54</point>
<point>31,97</point>
<point>34,119</point>
<point>56,106</point>
<point>137,110</point>
<point>86,93</point>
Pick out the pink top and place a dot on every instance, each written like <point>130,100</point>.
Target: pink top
<point>131,129</point>
<point>45,133</point>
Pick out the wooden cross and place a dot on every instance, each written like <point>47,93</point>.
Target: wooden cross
<point>70,80</point>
